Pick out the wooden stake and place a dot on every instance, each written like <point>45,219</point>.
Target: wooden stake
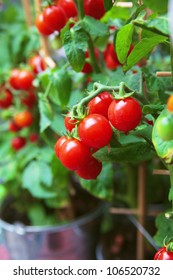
<point>27,11</point>
<point>140,253</point>
<point>132,211</point>
<point>161,172</point>
<point>124,4</point>
<point>163,74</point>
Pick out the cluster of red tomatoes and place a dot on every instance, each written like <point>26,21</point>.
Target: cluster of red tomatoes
<point>95,131</point>
<point>55,16</point>
<point>19,89</point>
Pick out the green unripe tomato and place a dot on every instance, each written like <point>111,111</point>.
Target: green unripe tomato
<point>164,127</point>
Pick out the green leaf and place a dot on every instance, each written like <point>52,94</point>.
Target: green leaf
<point>102,187</point>
<point>164,229</point>
<point>37,176</point>
<point>45,112</point>
<point>39,217</point>
<point>123,42</point>
<point>116,13</point>
<point>75,45</point>
<point>144,47</point>
<point>157,6</point>
<point>160,23</point>
<point>94,27</point>
<point>108,4</point>
<point>62,81</point>
<point>132,153</point>
<point>152,109</point>
<point>164,149</point>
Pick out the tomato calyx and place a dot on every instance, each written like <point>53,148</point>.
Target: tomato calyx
<point>168,244</point>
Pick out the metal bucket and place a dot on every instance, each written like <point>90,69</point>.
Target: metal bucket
<point>75,241</point>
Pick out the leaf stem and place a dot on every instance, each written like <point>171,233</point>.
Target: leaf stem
<point>80,5</point>
<point>93,57</point>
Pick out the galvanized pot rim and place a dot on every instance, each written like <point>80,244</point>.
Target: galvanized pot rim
<point>75,223</point>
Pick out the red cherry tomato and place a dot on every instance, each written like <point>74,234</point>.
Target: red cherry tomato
<point>69,123</point>
<point>163,254</point>
<point>125,114</point>
<point>95,131</point>
<point>24,80</point>
<point>58,144</point>
<point>94,8</point>
<point>13,127</point>
<point>42,27</point>
<point>100,104</point>
<point>13,78</point>
<point>23,119</point>
<point>37,64</point>
<point>91,170</point>
<point>69,8</point>
<point>87,66</point>
<point>18,143</point>
<point>74,154</point>
<point>6,98</point>
<point>54,16</point>
<point>33,137</point>
<point>110,57</point>
<point>28,98</point>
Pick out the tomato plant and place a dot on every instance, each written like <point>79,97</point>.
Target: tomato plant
<point>37,64</point>
<point>58,144</point>
<point>125,114</point>
<point>164,126</point>
<point>42,27</point>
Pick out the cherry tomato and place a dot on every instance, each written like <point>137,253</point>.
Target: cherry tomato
<point>58,144</point>
<point>24,80</point>
<point>164,126</point>
<point>54,16</point>
<point>125,114</point>
<point>91,170</point>
<point>87,66</point>
<point>13,78</point>
<point>74,154</point>
<point>163,254</point>
<point>100,104</point>
<point>23,119</point>
<point>13,127</point>
<point>94,8</point>
<point>43,28</point>
<point>33,137</point>
<point>69,8</point>
<point>37,64</point>
<point>110,57</point>
<point>69,123</point>
<point>170,103</point>
<point>6,98</point>
<point>28,98</point>
<point>18,143</point>
<point>95,131</point>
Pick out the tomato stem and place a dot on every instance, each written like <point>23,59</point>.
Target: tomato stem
<point>92,55</point>
<point>80,5</point>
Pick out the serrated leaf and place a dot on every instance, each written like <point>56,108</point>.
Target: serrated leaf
<point>123,42</point>
<point>35,176</point>
<point>132,153</point>
<point>46,115</point>
<point>75,45</point>
<point>143,48</point>
<point>94,27</point>
<point>102,187</point>
<point>152,109</point>
<point>164,229</point>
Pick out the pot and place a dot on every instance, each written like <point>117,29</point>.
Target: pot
<point>76,240</point>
